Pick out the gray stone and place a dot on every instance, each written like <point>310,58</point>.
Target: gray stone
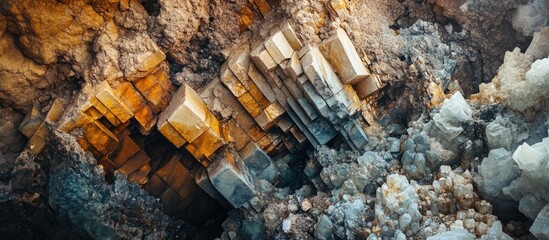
<point>540,228</point>
<point>324,228</point>
<point>459,234</point>
<point>307,108</point>
<point>231,178</point>
<point>322,130</point>
<point>320,73</point>
<point>270,173</point>
<point>356,134</point>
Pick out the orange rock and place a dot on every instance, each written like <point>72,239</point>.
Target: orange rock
<point>86,146</point>
<point>175,174</point>
<point>146,119</point>
<point>250,104</point>
<point>80,119</point>
<point>229,79</point>
<point>105,111</point>
<point>150,62</point>
<point>144,84</point>
<point>135,162</point>
<point>124,151</point>
<point>263,6</point>
<point>140,176</point>
<point>100,137</point>
<point>130,96</point>
<point>158,96</point>
<point>169,132</point>
<point>298,135</point>
<point>163,79</point>
<point>247,16</point>
<point>240,137</point>
<point>208,142</point>
<point>258,95</point>
<point>264,142</point>
<point>114,104</point>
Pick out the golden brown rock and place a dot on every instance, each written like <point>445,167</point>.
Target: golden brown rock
<point>134,163</point>
<point>114,104</point>
<point>229,79</point>
<point>105,111</point>
<point>31,122</point>
<point>37,142</point>
<point>56,110</point>
<point>156,186</point>
<point>133,99</point>
<point>100,137</point>
<point>250,104</point>
<point>125,150</point>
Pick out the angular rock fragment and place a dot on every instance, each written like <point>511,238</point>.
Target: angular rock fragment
<point>342,55</point>
<point>231,178</point>
<point>320,73</point>
<point>278,47</point>
<point>186,113</point>
<point>114,104</point>
<point>263,59</point>
<point>134,163</point>
<point>229,79</point>
<point>291,36</point>
<point>261,83</point>
<point>203,181</point>
<point>31,122</point>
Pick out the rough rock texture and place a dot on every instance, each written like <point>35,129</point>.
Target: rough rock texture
<point>440,163</point>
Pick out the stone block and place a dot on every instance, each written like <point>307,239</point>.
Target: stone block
<point>322,130</point>
<point>175,174</point>
<point>258,96</point>
<point>337,8</point>
<point>140,176</point>
<point>100,137</point>
<point>262,6</point>
<point>92,112</point>
<point>105,111</point>
<point>229,79</point>
<point>231,178</point>
<point>37,141</point>
<point>297,115</point>
<point>255,158</point>
<point>264,142</point>
<point>320,73</point>
<point>278,47</point>
<point>366,87</point>
<point>315,99</point>
<point>79,119</point>
<point>134,163</point>
<point>241,139</point>
<point>250,104</point>
<point>355,104</point>
<point>305,49</point>
<point>125,150</point>
<point>246,16</point>
<point>291,36</point>
<point>209,141</point>
<point>56,110</point>
<point>292,67</point>
<point>86,146</point>
<point>239,62</point>
<point>270,173</point>
<point>261,83</point>
<point>150,61</point>
<point>203,181</point>
<point>342,55</point>
<point>285,123</point>
<point>262,59</point>
<point>169,131</point>
<point>31,122</point>
<point>163,78</point>
<point>264,120</point>
<point>272,77</point>
<point>146,119</point>
<point>540,227</point>
<point>298,135</point>
<point>356,134</point>
<point>293,89</point>
<point>156,186</point>
<point>111,101</point>
<point>280,73</point>
<point>106,164</point>
<point>158,97</point>
<point>187,113</point>
<point>145,83</point>
<point>308,109</point>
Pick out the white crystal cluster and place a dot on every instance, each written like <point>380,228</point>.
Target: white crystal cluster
<point>521,82</point>
<point>531,17</point>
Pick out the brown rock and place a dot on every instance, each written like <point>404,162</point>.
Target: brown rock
<point>31,122</point>
<point>366,87</point>
<point>240,137</point>
<point>124,151</point>
<point>251,106</point>
<point>56,110</point>
<point>140,176</point>
<point>163,78</point>
<point>100,137</point>
<point>134,163</point>
<point>175,174</point>
<point>169,131</point>
<point>207,143</point>
<point>105,111</point>
<point>156,186</point>
<point>37,142</point>
<point>133,99</point>
<point>146,119</point>
<point>229,79</point>
<point>114,104</point>
<point>158,97</point>
<point>258,96</point>
<point>261,83</point>
<point>290,35</point>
